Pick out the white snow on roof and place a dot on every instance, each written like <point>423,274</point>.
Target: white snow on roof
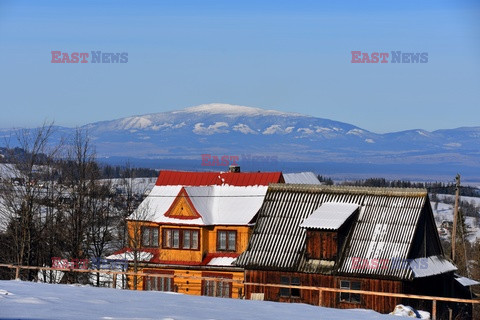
<point>301,178</point>
<point>430,266</point>
<point>217,205</point>
<point>330,215</point>
<point>221,261</point>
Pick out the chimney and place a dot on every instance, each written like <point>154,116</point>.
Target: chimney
<point>234,168</point>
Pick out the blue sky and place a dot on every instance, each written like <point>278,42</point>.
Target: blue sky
<point>285,55</point>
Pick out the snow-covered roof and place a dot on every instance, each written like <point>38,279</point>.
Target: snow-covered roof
<point>216,205</point>
<point>466,282</point>
<point>301,178</point>
<point>430,266</point>
<point>221,261</point>
<point>330,215</point>
<point>129,255</point>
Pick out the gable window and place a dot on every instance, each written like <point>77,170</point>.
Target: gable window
<point>290,292</point>
<point>350,297</point>
<point>149,237</point>
<point>226,240</point>
<point>180,239</point>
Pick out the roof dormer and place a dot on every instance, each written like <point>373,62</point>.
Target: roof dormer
<point>327,228</point>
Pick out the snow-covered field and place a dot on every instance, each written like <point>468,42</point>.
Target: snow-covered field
<point>29,300</point>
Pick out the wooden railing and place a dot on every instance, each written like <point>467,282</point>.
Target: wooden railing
<point>320,290</point>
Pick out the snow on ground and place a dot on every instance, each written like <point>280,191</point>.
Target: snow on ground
<point>138,185</point>
<point>29,300</point>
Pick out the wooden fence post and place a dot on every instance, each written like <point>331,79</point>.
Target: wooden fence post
<point>320,298</point>
<point>434,309</point>
<point>17,273</point>
<point>114,281</point>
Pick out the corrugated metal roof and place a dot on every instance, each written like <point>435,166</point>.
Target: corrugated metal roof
<point>384,228</point>
<point>184,178</point>
<point>466,282</point>
<point>330,215</point>
<point>430,266</point>
<point>301,178</point>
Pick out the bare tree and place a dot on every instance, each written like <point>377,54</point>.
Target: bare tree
<point>100,229</point>
<point>23,191</point>
<point>136,215</point>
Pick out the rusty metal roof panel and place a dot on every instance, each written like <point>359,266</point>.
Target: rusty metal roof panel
<point>188,178</point>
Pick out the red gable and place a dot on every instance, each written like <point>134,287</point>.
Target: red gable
<point>185,178</point>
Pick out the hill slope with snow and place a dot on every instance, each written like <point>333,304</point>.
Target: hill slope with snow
<point>27,300</point>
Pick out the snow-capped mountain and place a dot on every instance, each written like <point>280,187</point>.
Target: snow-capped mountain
<point>223,129</point>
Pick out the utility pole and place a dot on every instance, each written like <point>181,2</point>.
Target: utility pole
<point>455,215</point>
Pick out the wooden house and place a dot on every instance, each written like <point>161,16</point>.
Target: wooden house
<point>193,225</point>
<point>374,239</point>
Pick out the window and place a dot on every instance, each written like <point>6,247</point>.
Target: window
<point>180,239</point>
<point>350,297</point>
<point>149,237</point>
<point>226,240</point>
<point>290,292</point>
<point>158,283</point>
<point>217,288</point>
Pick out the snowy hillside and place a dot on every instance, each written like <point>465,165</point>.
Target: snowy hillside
<point>235,130</point>
<point>27,300</point>
<point>444,212</point>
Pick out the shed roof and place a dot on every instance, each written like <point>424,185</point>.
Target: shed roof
<point>185,178</point>
<point>384,228</point>
<point>466,282</point>
<point>431,266</point>
<point>330,215</point>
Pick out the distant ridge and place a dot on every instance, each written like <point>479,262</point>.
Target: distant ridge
<point>224,129</point>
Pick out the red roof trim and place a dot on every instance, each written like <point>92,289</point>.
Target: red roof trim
<point>185,178</point>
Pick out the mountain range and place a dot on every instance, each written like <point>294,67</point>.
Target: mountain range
<point>223,129</point>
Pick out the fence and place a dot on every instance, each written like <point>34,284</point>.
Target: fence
<point>319,289</point>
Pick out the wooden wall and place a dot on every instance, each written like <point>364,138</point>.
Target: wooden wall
<point>330,299</point>
<point>190,282</point>
<point>207,243</point>
<point>322,244</point>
